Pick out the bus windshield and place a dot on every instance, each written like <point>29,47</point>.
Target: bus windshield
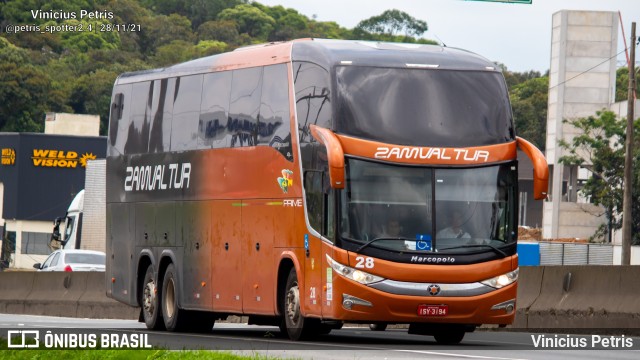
<point>451,210</point>
<point>423,107</point>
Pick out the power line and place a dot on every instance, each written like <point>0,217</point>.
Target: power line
<point>637,42</point>
<point>586,71</point>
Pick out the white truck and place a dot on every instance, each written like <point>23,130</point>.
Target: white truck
<point>83,226</point>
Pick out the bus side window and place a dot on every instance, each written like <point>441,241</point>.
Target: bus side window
<point>313,98</point>
<point>161,114</point>
<point>116,115</point>
<point>314,198</point>
<point>120,120</point>
<point>140,124</point>
<point>213,129</point>
<point>274,127</point>
<point>246,89</point>
<point>186,113</point>
<point>329,208</point>
<point>320,203</point>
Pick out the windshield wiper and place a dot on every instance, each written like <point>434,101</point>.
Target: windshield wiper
<point>382,238</point>
<point>498,251</point>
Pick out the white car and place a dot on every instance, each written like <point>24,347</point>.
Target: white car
<point>73,260</point>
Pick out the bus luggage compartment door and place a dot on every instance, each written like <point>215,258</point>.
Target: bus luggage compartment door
<point>119,247</point>
<point>226,253</point>
<point>263,222</point>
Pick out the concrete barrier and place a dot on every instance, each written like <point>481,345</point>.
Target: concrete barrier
<point>69,294</point>
<point>95,301</point>
<point>14,288</point>
<point>56,293</point>
<point>529,286</point>
<point>569,297</point>
<point>596,297</point>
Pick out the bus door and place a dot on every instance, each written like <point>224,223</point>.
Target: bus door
<point>320,212</point>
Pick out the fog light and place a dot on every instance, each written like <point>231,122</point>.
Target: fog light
<point>508,306</point>
<point>349,300</point>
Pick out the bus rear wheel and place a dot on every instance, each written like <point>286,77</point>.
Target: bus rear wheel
<point>149,300</point>
<point>297,326</point>
<point>175,319</point>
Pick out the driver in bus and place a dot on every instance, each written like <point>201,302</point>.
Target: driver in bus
<point>454,231</point>
<point>392,229</point>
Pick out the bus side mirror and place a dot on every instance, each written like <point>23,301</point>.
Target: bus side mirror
<point>540,168</point>
<point>334,153</point>
<point>55,235</point>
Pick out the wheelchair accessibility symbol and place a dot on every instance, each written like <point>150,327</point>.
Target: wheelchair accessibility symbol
<point>423,242</point>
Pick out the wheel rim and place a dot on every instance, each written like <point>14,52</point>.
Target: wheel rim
<point>293,304</point>
<point>149,297</point>
<point>170,299</point>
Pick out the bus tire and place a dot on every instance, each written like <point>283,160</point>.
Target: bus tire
<point>149,300</point>
<point>298,327</point>
<point>175,319</point>
<point>378,326</point>
<point>450,337</point>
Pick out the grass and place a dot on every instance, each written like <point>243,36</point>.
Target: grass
<point>116,354</point>
<point>23,354</point>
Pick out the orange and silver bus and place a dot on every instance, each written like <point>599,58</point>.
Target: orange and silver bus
<point>310,183</point>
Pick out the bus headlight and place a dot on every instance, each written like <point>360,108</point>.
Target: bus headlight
<point>353,274</point>
<point>502,280</point>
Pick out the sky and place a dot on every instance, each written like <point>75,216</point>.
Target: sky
<point>516,35</point>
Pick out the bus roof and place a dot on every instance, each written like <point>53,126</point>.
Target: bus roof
<point>326,53</point>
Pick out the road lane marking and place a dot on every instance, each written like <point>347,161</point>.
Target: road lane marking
<point>457,355</point>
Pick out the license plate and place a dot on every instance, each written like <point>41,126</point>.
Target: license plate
<point>433,310</point>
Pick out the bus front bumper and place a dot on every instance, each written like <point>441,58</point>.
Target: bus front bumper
<point>471,305</point>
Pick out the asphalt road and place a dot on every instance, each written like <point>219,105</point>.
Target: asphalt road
<point>347,343</point>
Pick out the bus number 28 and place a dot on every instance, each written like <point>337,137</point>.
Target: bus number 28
<point>364,262</point>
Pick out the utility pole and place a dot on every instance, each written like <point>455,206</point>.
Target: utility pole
<point>628,155</point>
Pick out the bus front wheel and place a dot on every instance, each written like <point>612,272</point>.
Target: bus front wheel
<point>378,326</point>
<point>450,337</point>
<point>297,326</point>
<point>149,300</point>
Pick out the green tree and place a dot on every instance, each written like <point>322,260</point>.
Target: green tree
<point>26,92</point>
<point>393,22</point>
<point>201,11</point>
<point>289,24</point>
<point>131,12</point>
<point>529,104</point>
<point>165,29</point>
<point>622,84</point>
<point>328,30</point>
<point>514,78</point>
<point>167,7</point>
<point>23,11</point>
<point>250,20</point>
<point>220,30</point>
<point>600,143</point>
<point>175,52</point>
<point>91,94</point>
<point>210,47</point>
<point>84,41</point>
